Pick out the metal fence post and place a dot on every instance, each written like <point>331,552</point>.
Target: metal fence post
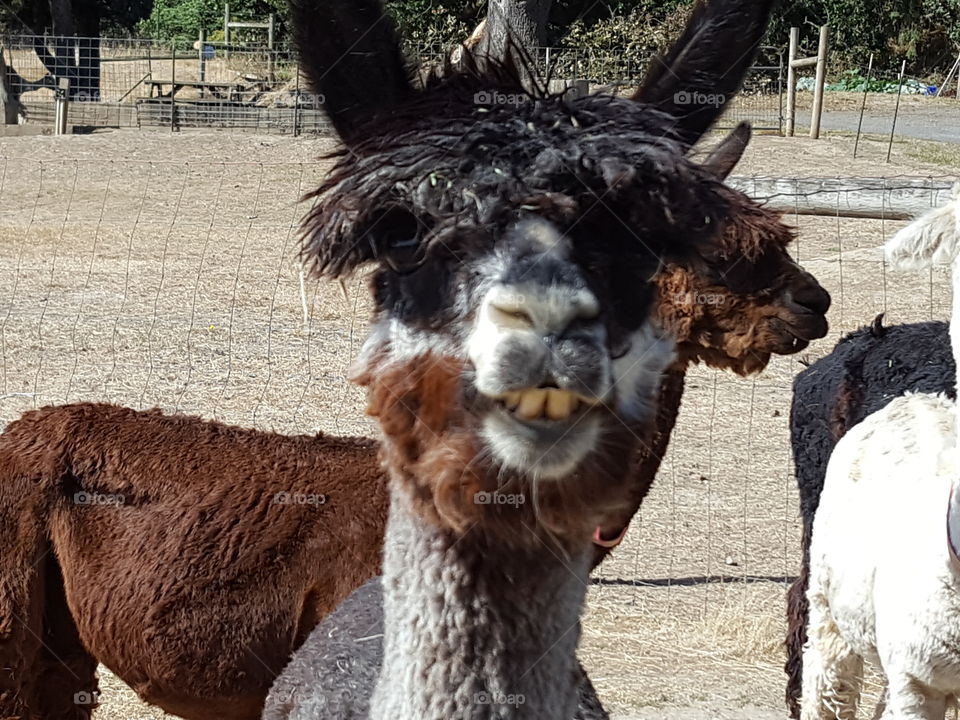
<point>296,102</point>
<point>61,104</point>
<point>863,107</point>
<point>780,118</point>
<point>896,110</point>
<point>202,76</point>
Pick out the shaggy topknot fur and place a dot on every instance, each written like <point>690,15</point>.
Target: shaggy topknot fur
<point>446,171</point>
<point>866,370</point>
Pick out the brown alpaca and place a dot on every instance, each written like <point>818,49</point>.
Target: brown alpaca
<point>266,582</point>
<point>123,544</point>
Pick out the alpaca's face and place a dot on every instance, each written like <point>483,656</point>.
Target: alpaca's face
<point>515,235</point>
<point>547,363</point>
<point>745,303</point>
<point>527,254</point>
<point>553,333</point>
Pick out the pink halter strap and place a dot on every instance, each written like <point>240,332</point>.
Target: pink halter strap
<point>598,538</point>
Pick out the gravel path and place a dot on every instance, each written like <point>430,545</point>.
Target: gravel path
<point>916,121</point>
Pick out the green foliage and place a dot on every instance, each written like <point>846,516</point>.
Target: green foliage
<point>182,20</point>
<point>91,17</point>
<point>631,37</point>
<point>436,22</point>
<point>925,33</point>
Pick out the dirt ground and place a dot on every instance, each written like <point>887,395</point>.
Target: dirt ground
<point>143,268</point>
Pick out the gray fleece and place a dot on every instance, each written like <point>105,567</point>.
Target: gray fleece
<point>334,672</point>
<point>473,631</point>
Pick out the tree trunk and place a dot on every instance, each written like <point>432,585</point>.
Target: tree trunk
<point>516,25</point>
<point>62,62</point>
<point>10,106</point>
<point>61,15</point>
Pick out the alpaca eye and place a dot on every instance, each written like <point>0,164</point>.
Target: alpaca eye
<point>404,256</point>
<point>399,238</point>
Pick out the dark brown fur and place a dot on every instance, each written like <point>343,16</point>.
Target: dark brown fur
<point>196,611</point>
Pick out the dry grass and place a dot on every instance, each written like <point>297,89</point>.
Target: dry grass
<point>128,277</point>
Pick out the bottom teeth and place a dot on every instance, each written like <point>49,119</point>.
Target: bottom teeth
<point>539,402</point>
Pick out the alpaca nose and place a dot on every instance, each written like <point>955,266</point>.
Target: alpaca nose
<point>812,296</point>
<point>544,337</point>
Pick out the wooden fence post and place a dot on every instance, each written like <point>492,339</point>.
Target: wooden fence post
<point>792,82</point>
<point>226,31</point>
<point>271,76</point>
<point>202,76</point>
<point>821,82</point>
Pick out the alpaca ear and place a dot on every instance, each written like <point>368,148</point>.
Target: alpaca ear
<point>725,156</point>
<point>705,68</point>
<point>350,51</point>
<point>931,239</point>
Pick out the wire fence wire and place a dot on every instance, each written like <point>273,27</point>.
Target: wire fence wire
<point>174,284</point>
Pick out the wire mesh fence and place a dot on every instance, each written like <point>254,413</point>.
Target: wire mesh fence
<point>136,83</point>
<point>173,284</point>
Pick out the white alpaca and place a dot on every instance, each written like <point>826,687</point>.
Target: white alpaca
<point>884,571</point>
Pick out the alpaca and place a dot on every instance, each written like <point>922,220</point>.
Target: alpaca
<point>873,593</point>
<point>863,373</point>
<point>512,351</point>
<point>739,330</point>
<point>346,649</point>
<point>94,520</point>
